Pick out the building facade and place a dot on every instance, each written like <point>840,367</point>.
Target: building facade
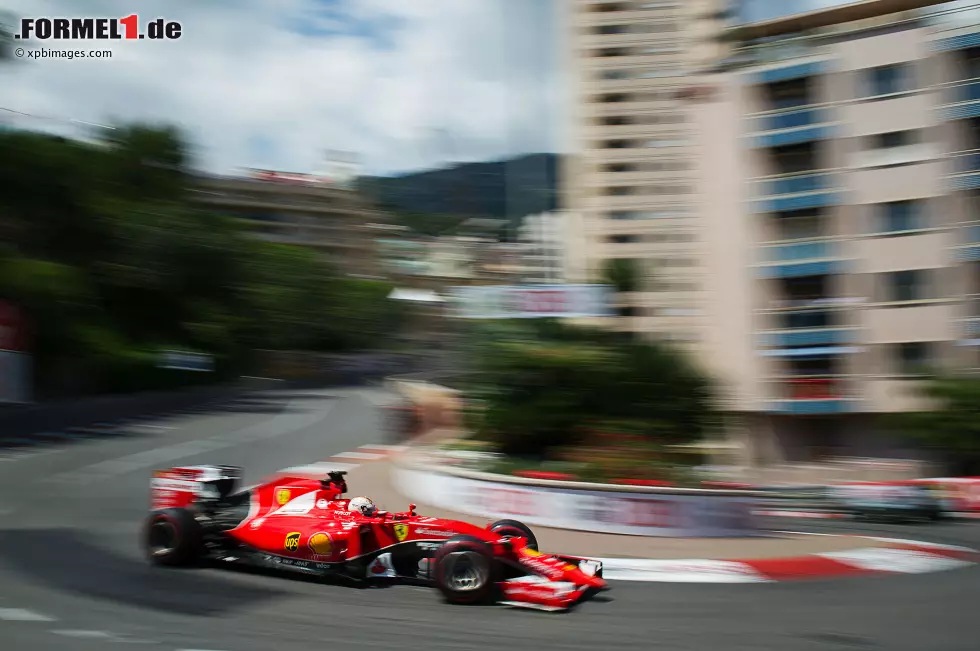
<point>838,182</point>
<point>631,179</point>
<point>549,251</point>
<point>302,210</point>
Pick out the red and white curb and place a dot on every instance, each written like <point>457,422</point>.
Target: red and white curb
<point>343,460</point>
<point>902,557</point>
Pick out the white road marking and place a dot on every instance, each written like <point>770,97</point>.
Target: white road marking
<point>367,456</point>
<point>318,468</point>
<point>21,615</point>
<point>387,448</point>
<point>277,426</point>
<point>79,633</point>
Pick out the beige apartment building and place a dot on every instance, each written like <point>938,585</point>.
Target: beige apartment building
<point>630,183</point>
<point>838,181</point>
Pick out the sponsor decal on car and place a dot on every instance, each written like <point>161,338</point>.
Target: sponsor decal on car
<point>292,541</point>
<point>544,566</point>
<point>320,543</point>
<point>429,546</point>
<point>282,496</point>
<point>178,485</point>
<point>401,531</point>
<point>322,504</point>
<point>299,506</point>
<point>434,532</point>
<point>256,523</point>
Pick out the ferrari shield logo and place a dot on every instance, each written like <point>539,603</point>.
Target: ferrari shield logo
<point>282,496</point>
<point>401,532</point>
<point>292,541</point>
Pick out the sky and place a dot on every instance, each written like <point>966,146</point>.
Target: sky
<point>404,84</point>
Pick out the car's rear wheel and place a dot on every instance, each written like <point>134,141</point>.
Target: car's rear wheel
<point>173,537</point>
<point>465,570</point>
<point>514,529</point>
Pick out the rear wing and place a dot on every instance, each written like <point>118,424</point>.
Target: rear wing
<point>182,486</point>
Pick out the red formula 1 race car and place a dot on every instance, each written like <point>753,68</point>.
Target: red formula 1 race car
<point>306,525</point>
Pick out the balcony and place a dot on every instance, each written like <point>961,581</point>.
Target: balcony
<point>812,396</point>
<point>968,248</point>
<point>789,338</point>
<point>790,192</point>
<point>790,127</point>
<point>799,259</point>
<point>961,100</point>
<point>965,173</point>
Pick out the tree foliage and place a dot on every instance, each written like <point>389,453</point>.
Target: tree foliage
<point>112,261</point>
<point>952,426</point>
<point>544,385</point>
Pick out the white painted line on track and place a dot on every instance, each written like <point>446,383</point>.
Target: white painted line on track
<point>22,615</point>
<point>386,448</point>
<point>277,426</point>
<point>366,456</point>
<point>81,633</point>
<point>318,468</point>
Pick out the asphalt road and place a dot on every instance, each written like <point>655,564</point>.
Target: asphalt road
<point>72,576</point>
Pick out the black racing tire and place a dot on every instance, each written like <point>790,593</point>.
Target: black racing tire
<point>465,571</point>
<point>515,529</point>
<point>173,538</point>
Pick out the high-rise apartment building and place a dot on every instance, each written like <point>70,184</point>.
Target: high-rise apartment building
<point>631,178</point>
<point>838,183</point>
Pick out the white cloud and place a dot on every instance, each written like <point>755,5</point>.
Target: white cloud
<point>378,77</point>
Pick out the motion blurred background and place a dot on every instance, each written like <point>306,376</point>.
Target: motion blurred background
<point>661,241</point>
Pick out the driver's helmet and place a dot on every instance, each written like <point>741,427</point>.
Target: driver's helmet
<point>362,505</point>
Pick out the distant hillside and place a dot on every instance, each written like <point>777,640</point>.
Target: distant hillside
<point>472,189</point>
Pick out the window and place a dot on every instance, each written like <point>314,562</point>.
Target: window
<point>611,29</point>
<point>899,216</point>
<point>612,52</point>
<point>623,239</point>
<point>619,167</point>
<point>893,139</point>
<point>912,357</point>
<point>907,285</point>
<point>613,97</point>
<point>616,144</point>
<point>885,80</point>
<point>615,120</point>
<point>614,74</point>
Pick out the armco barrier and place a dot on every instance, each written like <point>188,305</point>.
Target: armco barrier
<point>583,506</point>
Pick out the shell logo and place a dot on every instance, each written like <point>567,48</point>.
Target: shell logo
<point>320,543</point>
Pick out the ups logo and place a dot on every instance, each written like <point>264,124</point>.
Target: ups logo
<point>292,541</point>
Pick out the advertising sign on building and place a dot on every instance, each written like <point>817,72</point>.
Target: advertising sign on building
<point>15,361</point>
<point>532,301</point>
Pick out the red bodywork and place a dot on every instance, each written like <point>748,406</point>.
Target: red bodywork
<point>306,526</point>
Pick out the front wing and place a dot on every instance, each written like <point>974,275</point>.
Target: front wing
<point>541,593</point>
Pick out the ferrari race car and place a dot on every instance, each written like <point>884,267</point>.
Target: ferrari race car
<point>307,526</point>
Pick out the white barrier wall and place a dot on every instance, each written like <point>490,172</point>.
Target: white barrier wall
<point>644,514</point>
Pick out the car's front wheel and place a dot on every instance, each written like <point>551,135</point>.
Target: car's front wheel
<point>515,529</point>
<point>465,570</point>
<point>173,537</point>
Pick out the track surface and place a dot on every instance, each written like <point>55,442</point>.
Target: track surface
<point>68,552</point>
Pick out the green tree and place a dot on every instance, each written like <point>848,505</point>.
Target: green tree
<point>952,427</point>
<point>543,384</point>
<point>622,273</point>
